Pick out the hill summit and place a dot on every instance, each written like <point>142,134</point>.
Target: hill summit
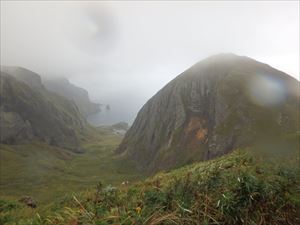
<point>221,103</point>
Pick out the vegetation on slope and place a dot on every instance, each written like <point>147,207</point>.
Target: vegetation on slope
<point>240,188</point>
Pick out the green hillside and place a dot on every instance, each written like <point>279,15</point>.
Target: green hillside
<point>244,187</point>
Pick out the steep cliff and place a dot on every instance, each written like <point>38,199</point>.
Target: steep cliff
<point>221,103</point>
<point>30,78</point>
<point>29,112</point>
<point>79,95</point>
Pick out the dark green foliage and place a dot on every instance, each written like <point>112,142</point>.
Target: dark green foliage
<point>6,208</point>
<point>155,198</point>
<point>7,205</point>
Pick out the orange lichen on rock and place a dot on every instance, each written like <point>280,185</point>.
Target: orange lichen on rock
<point>201,133</point>
<point>196,126</point>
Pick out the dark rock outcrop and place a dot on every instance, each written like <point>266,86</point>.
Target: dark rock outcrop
<point>29,201</point>
<point>221,103</point>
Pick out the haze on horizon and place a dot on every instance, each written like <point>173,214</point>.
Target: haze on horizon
<point>124,52</point>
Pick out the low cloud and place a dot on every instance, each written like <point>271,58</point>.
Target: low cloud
<point>124,52</point>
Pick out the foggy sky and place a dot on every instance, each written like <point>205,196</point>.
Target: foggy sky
<point>124,52</point>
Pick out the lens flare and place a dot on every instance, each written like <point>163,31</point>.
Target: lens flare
<point>266,90</point>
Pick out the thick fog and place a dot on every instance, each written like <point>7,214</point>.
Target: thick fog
<point>124,52</point>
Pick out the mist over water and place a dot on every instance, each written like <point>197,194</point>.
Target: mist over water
<point>117,112</point>
<point>110,117</point>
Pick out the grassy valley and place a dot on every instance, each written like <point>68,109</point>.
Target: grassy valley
<point>46,172</point>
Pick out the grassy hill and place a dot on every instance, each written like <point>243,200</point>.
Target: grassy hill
<point>248,186</point>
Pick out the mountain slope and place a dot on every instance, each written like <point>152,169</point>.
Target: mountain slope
<point>30,112</point>
<point>223,102</point>
<point>79,95</point>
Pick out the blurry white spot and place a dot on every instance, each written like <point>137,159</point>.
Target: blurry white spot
<point>93,27</point>
<point>266,91</point>
<point>92,30</point>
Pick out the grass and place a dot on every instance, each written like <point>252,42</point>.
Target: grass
<point>248,186</point>
<point>46,173</point>
<point>240,188</point>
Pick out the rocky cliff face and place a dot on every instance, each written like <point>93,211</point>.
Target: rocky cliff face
<point>30,78</point>
<point>219,104</point>
<point>79,95</point>
<point>29,112</point>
